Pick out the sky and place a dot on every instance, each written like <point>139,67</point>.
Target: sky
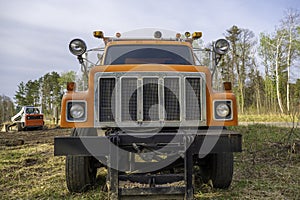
<point>34,34</point>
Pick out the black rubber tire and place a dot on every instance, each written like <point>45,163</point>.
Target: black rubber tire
<point>80,170</point>
<point>218,169</point>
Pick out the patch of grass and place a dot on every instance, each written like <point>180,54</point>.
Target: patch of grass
<point>32,172</point>
<point>266,169</point>
<point>267,118</point>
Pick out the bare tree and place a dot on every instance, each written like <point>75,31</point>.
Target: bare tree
<point>271,50</point>
<point>239,60</point>
<point>277,45</point>
<point>245,48</point>
<point>289,24</point>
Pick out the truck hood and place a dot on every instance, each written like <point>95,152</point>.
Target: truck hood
<point>150,68</point>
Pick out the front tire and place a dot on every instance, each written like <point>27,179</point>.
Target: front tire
<point>81,171</point>
<point>219,169</point>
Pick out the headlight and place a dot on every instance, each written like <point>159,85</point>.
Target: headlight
<point>76,111</point>
<point>223,110</point>
<point>77,47</point>
<point>221,46</point>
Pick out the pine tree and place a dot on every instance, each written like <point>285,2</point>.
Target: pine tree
<point>239,59</point>
<point>51,92</point>
<point>20,96</point>
<point>32,90</point>
<point>65,78</point>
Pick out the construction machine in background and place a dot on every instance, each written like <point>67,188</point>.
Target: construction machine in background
<point>29,117</point>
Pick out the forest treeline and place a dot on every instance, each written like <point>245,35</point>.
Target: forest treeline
<point>264,70</point>
<point>45,92</point>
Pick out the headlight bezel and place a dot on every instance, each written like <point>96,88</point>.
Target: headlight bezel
<point>216,114</point>
<point>81,105</point>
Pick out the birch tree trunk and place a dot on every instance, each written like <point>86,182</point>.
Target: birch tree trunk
<point>288,64</point>
<point>278,44</point>
<point>290,23</point>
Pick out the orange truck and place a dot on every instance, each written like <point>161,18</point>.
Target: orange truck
<point>151,115</point>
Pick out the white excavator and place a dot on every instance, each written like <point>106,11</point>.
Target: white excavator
<point>29,117</point>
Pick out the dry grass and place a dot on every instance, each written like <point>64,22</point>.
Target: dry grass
<point>268,118</point>
<point>268,168</point>
<point>32,172</point>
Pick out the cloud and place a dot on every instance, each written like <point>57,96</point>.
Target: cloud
<point>34,34</point>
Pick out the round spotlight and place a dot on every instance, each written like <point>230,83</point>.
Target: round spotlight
<point>77,47</point>
<point>221,46</point>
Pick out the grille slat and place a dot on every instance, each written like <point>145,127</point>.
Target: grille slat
<point>107,99</point>
<point>171,100</point>
<point>129,99</point>
<point>150,99</point>
<point>193,98</point>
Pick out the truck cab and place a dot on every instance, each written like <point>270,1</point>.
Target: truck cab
<point>150,108</point>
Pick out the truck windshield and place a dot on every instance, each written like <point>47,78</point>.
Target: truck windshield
<point>148,54</point>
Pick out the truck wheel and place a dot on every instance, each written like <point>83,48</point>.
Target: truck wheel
<point>81,170</point>
<point>219,169</point>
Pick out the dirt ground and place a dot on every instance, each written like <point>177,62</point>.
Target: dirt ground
<point>14,138</point>
<point>268,167</point>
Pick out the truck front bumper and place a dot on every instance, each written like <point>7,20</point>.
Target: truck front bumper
<point>200,142</point>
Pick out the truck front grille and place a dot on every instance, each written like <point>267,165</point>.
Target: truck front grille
<point>150,99</point>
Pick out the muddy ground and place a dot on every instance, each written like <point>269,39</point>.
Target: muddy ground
<point>14,138</point>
